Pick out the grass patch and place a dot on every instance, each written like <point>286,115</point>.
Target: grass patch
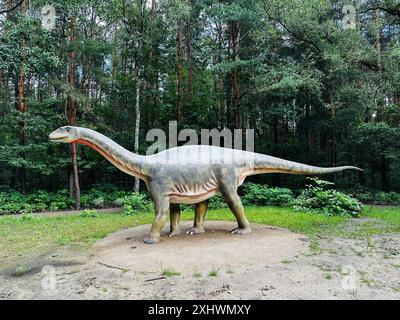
<point>286,261</point>
<point>213,272</point>
<point>20,271</point>
<point>380,221</point>
<point>170,272</point>
<point>22,236</point>
<point>197,274</point>
<point>327,275</point>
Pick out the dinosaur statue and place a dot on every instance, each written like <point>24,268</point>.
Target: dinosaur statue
<point>189,174</point>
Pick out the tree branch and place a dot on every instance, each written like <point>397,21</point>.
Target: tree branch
<point>393,11</point>
<point>294,35</point>
<point>12,8</point>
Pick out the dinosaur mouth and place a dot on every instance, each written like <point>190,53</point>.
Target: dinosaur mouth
<point>60,138</point>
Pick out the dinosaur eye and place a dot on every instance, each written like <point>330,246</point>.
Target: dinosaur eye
<point>68,129</point>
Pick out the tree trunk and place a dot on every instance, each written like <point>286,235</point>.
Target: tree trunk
<point>235,34</point>
<point>22,109</point>
<point>137,123</point>
<point>189,85</point>
<point>384,170</point>
<point>138,83</point>
<point>180,74</point>
<point>71,118</point>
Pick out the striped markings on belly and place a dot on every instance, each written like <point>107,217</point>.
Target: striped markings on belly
<point>193,193</point>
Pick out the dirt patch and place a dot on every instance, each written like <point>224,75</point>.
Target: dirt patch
<point>217,248</point>
<point>270,263</point>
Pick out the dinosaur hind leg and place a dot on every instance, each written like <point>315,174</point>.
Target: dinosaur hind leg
<point>199,218</point>
<point>237,209</point>
<point>175,214</point>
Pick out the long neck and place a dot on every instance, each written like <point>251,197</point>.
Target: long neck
<point>128,162</point>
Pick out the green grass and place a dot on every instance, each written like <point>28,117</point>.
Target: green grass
<point>213,272</point>
<point>20,237</point>
<point>23,236</point>
<point>169,272</point>
<point>381,221</point>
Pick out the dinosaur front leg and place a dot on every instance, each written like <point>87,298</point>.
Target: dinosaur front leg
<point>161,206</point>
<point>199,218</point>
<point>237,209</point>
<point>175,214</point>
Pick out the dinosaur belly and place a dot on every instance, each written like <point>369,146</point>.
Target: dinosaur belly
<point>191,199</point>
<point>193,193</point>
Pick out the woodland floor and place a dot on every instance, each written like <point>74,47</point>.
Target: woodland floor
<point>317,259</point>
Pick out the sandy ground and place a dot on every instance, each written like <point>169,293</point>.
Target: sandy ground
<point>270,263</point>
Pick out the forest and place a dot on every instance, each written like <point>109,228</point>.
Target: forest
<point>317,80</point>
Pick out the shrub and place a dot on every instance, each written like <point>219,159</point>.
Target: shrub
<point>390,198</point>
<point>330,202</point>
<point>135,202</point>
<point>261,195</point>
<point>217,202</point>
<point>98,202</point>
<point>15,202</point>
<point>27,217</point>
<point>87,213</point>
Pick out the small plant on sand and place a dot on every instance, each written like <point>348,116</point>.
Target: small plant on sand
<point>213,272</point>
<point>21,270</point>
<point>169,272</point>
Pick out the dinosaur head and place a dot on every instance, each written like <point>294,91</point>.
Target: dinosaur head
<point>67,134</point>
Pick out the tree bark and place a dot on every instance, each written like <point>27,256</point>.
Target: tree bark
<point>137,124</point>
<point>138,83</point>
<point>22,109</point>
<point>235,47</point>
<point>189,84</point>
<point>71,118</point>
<point>180,73</point>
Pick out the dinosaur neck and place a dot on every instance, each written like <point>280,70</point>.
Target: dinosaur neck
<point>128,162</point>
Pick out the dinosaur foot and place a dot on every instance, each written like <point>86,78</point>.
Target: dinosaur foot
<point>195,230</point>
<point>174,233</point>
<point>151,240</point>
<point>241,230</point>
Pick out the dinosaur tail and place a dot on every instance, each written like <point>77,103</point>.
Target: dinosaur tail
<point>267,164</point>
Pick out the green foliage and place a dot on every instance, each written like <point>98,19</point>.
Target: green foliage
<point>381,198</point>
<point>135,203</point>
<point>309,88</point>
<point>88,213</point>
<point>330,202</point>
<point>27,217</point>
<point>14,202</point>
<point>170,272</point>
<point>217,202</point>
<point>261,195</point>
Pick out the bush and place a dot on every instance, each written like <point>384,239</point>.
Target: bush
<point>14,202</point>
<point>373,197</point>
<point>217,202</point>
<point>87,213</point>
<point>135,203</point>
<point>330,202</point>
<point>261,195</point>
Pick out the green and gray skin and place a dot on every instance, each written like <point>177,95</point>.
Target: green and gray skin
<point>189,174</point>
